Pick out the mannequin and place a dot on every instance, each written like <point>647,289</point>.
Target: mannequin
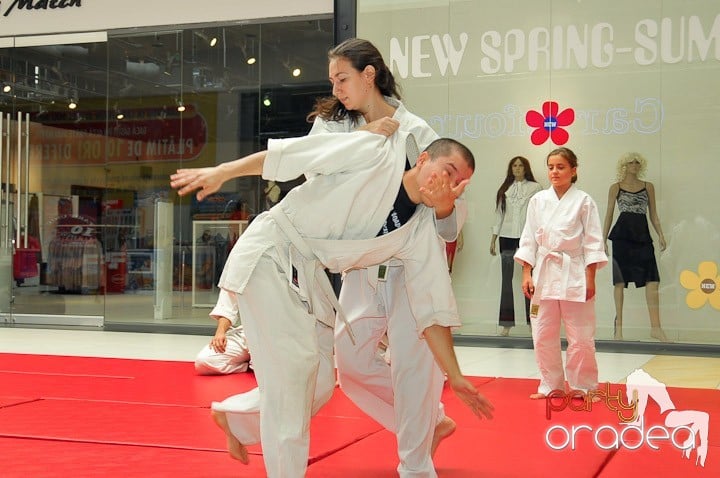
<point>633,252</point>
<point>510,211</point>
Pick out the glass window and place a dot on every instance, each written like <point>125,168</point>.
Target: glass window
<point>205,95</point>
<point>634,81</point>
<point>109,122</point>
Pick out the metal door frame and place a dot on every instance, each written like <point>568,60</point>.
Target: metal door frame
<point>7,249</point>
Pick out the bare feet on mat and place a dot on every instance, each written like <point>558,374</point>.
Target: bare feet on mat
<point>444,429</point>
<point>236,449</point>
<point>659,334</point>
<point>538,396</point>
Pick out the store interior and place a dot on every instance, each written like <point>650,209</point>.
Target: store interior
<point>93,125</point>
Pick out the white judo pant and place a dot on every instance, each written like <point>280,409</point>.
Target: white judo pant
<point>292,360</point>
<point>581,367</point>
<point>404,397</point>
<point>235,358</point>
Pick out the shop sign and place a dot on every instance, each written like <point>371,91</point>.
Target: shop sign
<point>37,5</point>
<point>146,134</point>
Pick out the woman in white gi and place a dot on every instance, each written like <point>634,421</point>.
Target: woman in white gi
<point>282,293</point>
<point>404,397</point>
<point>562,240</point>
<point>511,203</point>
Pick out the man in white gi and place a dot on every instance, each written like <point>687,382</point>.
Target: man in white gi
<point>404,398</point>
<point>276,273</point>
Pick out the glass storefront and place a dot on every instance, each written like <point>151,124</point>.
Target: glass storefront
<point>53,108</point>
<point>92,127</point>
<point>605,81</point>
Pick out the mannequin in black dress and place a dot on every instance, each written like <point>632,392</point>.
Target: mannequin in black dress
<point>633,252</point>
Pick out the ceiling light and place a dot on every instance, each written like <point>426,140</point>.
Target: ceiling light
<point>118,112</point>
<point>7,88</point>
<point>248,49</point>
<point>181,107</point>
<point>212,41</point>
<point>73,104</point>
<point>294,70</point>
<point>266,100</point>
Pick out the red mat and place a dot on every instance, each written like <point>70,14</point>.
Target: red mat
<point>146,381</point>
<point>667,461</point>
<point>154,425</point>
<point>12,401</point>
<point>25,458</point>
<point>481,447</point>
<point>113,422</point>
<point>468,453</point>
<point>74,416</point>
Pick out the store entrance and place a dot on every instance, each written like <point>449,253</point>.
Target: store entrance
<point>53,117</point>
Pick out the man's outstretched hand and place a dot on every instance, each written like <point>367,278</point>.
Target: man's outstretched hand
<point>470,395</point>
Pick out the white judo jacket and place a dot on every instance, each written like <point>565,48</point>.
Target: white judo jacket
<point>560,239</point>
<point>421,135</point>
<point>344,198</point>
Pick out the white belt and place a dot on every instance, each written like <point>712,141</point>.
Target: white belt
<point>311,265</point>
<point>564,256</point>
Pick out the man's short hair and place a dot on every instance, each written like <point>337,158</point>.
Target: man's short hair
<point>448,146</point>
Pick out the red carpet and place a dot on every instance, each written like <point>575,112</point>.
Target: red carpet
<point>71,416</point>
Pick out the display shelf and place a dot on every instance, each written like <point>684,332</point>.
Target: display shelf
<point>212,242</point>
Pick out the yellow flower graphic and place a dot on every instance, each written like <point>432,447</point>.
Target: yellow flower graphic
<point>704,286</point>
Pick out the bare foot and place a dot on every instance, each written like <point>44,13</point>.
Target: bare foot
<point>236,449</point>
<point>505,332</point>
<point>538,396</point>
<point>444,429</point>
<point>659,334</point>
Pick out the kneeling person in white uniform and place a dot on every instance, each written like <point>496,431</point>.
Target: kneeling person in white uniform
<point>227,351</point>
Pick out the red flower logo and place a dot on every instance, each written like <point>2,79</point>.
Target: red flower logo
<point>550,124</point>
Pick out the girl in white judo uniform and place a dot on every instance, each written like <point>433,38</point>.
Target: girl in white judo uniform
<point>404,398</point>
<point>283,294</point>
<point>562,240</point>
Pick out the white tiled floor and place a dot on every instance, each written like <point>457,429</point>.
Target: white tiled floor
<point>480,361</point>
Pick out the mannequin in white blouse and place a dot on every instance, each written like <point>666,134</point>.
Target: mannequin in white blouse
<point>510,212</point>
